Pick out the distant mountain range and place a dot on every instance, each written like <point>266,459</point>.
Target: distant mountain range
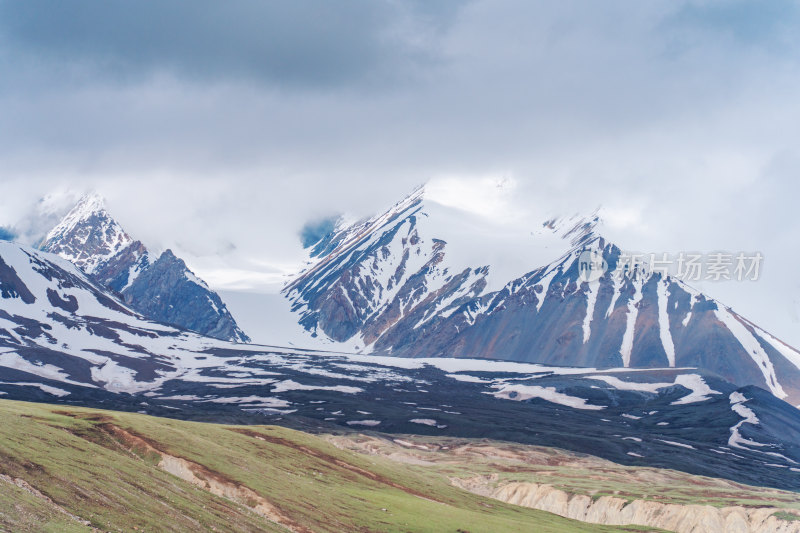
<point>161,288</point>
<point>398,284</point>
<point>425,280</point>
<point>66,339</point>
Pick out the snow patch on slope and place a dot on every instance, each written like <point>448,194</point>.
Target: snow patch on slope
<point>550,394</point>
<point>591,298</point>
<point>700,391</point>
<point>753,349</point>
<point>736,440</point>
<point>54,391</point>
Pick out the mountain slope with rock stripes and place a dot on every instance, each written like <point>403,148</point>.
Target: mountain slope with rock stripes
<point>401,283</point>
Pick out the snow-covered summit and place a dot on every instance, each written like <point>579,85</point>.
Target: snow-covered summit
<point>87,236</point>
<point>420,254</point>
<point>89,204</point>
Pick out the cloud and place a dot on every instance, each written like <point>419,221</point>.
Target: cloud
<point>770,25</point>
<point>309,43</point>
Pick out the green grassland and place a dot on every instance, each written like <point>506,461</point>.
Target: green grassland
<point>75,469</point>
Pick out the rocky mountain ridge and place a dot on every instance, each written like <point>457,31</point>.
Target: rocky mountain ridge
<point>161,288</point>
<point>390,285</point>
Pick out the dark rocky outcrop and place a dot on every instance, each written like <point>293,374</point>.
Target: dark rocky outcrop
<point>167,291</point>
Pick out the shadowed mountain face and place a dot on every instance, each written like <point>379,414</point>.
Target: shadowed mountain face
<point>390,285</point>
<point>163,289</point>
<point>168,290</point>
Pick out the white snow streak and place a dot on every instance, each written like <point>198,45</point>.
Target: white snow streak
<point>630,325</point>
<point>700,390</point>
<point>591,298</point>
<point>55,391</point>
<point>753,349</point>
<point>363,423</point>
<point>663,322</point>
<point>526,392</point>
<point>693,382</point>
<point>749,417</point>
<point>617,286</point>
<point>673,443</point>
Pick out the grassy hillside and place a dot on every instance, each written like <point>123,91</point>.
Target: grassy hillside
<point>73,469</point>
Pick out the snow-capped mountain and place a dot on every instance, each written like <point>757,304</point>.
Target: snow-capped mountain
<point>402,283</point>
<point>58,324</point>
<point>161,288</point>
<point>65,339</point>
<point>87,236</point>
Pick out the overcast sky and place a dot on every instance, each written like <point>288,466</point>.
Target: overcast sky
<point>219,128</point>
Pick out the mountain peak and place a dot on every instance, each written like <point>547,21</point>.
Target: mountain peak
<point>576,229</point>
<point>164,290</point>
<point>89,205</point>
<point>87,236</point>
<point>168,255</point>
<point>427,278</point>
<point>91,202</point>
